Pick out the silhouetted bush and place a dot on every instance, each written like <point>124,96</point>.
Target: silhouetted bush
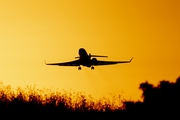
<point>162,100</point>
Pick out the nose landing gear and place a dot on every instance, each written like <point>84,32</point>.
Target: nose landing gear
<point>92,68</point>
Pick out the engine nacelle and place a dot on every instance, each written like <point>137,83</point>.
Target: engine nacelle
<point>94,61</point>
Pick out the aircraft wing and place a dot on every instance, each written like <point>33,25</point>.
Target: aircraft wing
<point>110,62</point>
<point>71,63</point>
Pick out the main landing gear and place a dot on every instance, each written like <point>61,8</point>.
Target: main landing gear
<point>92,68</point>
<point>79,68</point>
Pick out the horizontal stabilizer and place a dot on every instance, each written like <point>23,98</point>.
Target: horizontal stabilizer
<point>98,56</point>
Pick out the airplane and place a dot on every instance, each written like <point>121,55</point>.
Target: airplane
<point>85,60</point>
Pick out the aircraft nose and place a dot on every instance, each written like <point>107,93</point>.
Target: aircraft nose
<point>81,50</point>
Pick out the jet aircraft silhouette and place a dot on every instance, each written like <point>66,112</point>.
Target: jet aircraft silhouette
<point>85,60</point>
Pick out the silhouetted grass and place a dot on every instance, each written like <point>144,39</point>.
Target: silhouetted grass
<point>30,100</point>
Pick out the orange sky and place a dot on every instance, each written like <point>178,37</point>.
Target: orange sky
<point>38,30</point>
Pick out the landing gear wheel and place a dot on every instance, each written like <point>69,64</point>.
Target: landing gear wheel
<point>92,68</point>
<point>79,68</point>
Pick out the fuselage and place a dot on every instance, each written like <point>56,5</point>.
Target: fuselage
<point>83,54</point>
<point>85,59</point>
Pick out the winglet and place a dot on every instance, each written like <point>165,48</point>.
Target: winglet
<point>131,59</point>
<point>45,62</point>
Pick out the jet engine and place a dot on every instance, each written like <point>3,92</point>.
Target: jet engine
<point>94,61</point>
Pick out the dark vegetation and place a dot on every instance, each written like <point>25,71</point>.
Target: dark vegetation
<point>161,100</point>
